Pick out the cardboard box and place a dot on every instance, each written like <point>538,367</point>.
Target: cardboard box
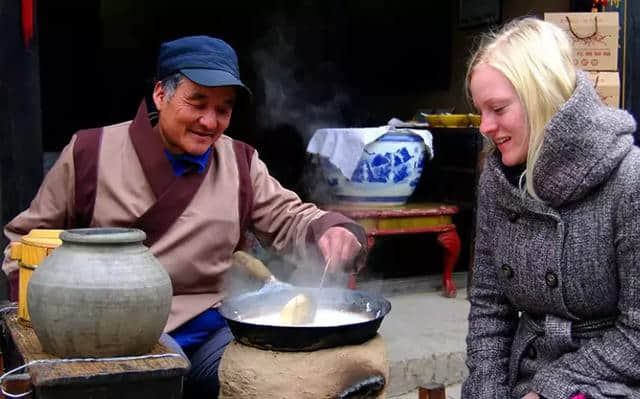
<point>594,36</point>
<point>607,85</point>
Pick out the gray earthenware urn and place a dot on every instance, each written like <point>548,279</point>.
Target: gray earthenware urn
<point>101,293</point>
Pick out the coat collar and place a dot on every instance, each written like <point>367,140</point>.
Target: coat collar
<point>583,144</point>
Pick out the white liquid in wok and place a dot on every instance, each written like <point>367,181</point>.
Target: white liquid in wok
<point>323,318</point>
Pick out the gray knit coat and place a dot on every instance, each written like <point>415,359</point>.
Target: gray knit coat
<point>555,295</point>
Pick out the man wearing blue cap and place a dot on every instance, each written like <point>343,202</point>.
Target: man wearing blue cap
<point>192,189</point>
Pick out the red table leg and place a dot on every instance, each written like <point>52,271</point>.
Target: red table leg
<point>450,242</point>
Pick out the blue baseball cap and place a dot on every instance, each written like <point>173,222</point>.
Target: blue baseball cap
<point>204,60</point>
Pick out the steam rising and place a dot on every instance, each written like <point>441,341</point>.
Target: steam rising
<point>306,95</point>
<point>299,271</point>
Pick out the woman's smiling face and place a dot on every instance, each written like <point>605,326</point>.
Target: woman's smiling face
<point>504,119</point>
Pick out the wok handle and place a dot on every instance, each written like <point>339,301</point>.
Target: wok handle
<point>253,265</point>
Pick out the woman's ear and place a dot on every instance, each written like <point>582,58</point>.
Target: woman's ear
<point>158,96</point>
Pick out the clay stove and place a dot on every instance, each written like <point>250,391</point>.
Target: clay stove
<point>345,372</point>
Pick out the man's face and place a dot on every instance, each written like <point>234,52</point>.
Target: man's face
<point>504,118</point>
<point>195,116</point>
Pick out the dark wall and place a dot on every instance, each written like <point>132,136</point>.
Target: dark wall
<point>70,83</point>
<point>20,129</point>
<point>632,62</point>
<point>310,63</point>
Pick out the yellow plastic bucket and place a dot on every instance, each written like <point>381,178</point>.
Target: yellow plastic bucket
<point>30,252</point>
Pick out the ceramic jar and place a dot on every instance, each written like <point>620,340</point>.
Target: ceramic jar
<point>387,172</point>
<point>100,294</point>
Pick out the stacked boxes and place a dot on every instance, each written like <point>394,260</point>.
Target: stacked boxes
<point>595,45</point>
<point>607,85</point>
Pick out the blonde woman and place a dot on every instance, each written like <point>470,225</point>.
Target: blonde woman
<point>555,297</point>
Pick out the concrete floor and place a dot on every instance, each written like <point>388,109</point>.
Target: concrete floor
<point>425,336</point>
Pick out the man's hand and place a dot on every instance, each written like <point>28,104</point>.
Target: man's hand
<point>531,395</point>
<point>340,246</point>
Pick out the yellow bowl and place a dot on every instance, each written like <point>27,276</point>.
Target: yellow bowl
<point>433,119</point>
<point>474,119</point>
<point>454,120</point>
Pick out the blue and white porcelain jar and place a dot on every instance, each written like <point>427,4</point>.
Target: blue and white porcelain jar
<point>387,172</point>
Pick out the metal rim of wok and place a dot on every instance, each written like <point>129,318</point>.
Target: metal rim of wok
<point>304,337</point>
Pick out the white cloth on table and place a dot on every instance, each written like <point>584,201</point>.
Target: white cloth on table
<point>343,146</point>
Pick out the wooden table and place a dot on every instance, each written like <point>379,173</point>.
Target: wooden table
<point>123,379</point>
<point>415,218</point>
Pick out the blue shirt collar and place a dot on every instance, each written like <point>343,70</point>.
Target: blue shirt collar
<point>185,163</point>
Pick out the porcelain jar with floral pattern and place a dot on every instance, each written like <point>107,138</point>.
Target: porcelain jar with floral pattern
<point>387,173</point>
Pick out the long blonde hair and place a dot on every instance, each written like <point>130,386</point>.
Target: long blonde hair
<point>537,58</point>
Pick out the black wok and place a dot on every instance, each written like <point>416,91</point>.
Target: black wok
<point>304,337</point>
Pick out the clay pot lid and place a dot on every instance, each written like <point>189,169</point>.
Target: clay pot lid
<point>44,238</point>
<point>33,247</point>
